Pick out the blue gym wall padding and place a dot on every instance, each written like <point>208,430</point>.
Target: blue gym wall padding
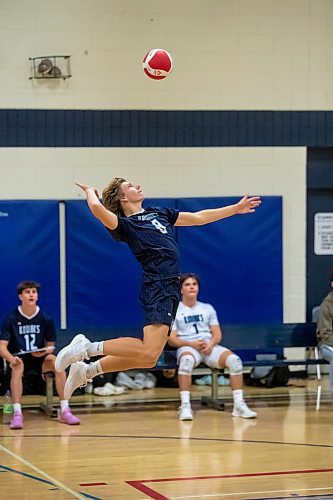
<point>29,249</point>
<point>103,277</point>
<point>239,260</point>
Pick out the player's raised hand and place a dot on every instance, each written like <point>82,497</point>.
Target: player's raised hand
<point>85,188</point>
<point>248,204</point>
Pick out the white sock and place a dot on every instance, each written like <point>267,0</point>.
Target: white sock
<point>17,407</point>
<point>94,369</point>
<point>63,404</point>
<point>238,396</point>
<point>185,397</point>
<point>96,349</point>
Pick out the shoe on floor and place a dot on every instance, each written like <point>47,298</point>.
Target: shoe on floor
<point>89,388</point>
<point>185,412</point>
<point>150,380</point>
<point>67,417</point>
<point>16,421</point>
<point>124,380</point>
<point>243,411</point>
<point>75,351</point>
<point>206,380</point>
<point>147,380</point>
<point>77,377</point>
<point>221,380</point>
<point>116,390</point>
<point>108,390</point>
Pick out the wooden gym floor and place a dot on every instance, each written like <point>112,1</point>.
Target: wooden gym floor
<point>141,451</point>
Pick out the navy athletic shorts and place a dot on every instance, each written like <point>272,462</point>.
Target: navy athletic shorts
<point>160,300</point>
<point>32,363</point>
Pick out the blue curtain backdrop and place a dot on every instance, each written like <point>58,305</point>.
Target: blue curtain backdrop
<point>239,261</point>
<point>29,249</point>
<point>103,277</point>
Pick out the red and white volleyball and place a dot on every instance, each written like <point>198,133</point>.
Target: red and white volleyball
<point>157,64</point>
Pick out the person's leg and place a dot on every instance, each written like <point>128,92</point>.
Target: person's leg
<point>16,385</point>
<point>60,377</point>
<point>140,354</point>
<point>327,353</point>
<point>187,359</point>
<point>143,353</point>
<point>64,414</point>
<point>160,301</point>
<point>227,358</point>
<point>236,375</point>
<point>17,390</point>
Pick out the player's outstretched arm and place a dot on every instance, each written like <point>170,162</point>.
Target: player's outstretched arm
<point>109,219</point>
<point>246,205</point>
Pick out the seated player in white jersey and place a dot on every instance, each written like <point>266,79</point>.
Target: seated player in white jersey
<point>27,342</point>
<point>197,335</point>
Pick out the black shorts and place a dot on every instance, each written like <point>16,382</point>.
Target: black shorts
<point>160,301</point>
<point>31,363</point>
<point>32,376</point>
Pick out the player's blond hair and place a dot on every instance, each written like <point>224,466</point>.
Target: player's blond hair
<point>111,196</point>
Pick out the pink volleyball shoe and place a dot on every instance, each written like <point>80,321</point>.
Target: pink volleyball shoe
<point>67,417</point>
<point>16,421</point>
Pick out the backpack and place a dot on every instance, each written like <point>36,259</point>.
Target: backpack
<point>269,376</point>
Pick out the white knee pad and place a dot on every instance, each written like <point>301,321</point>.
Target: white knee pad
<point>186,365</point>
<point>235,365</point>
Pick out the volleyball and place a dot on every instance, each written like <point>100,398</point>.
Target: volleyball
<point>157,64</point>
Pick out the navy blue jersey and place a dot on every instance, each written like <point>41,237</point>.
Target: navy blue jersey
<point>151,237</point>
<point>27,334</point>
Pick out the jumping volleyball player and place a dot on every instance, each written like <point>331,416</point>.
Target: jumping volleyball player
<point>150,235</point>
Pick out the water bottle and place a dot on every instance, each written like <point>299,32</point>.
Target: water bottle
<point>7,409</point>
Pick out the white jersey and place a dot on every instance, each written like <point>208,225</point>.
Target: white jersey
<point>192,323</point>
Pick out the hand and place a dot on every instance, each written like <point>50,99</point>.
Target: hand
<point>47,350</point>
<point>199,345</point>
<point>85,188</point>
<point>248,205</point>
<point>208,348</point>
<point>15,361</point>
<point>39,354</point>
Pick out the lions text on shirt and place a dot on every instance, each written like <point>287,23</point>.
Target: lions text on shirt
<point>25,333</point>
<point>193,323</point>
<point>151,237</point>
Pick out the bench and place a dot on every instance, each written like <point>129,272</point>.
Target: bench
<point>243,339</point>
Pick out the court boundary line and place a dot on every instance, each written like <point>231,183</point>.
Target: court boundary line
<point>215,495</point>
<point>176,438</point>
<point>43,474</point>
<point>155,495</point>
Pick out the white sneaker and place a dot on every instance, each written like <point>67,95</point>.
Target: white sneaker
<point>77,378</point>
<point>150,380</point>
<point>124,380</point>
<point>242,410</point>
<point>89,388</point>
<point>185,412</point>
<point>116,390</point>
<point>75,351</point>
<point>147,380</point>
<point>108,390</point>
